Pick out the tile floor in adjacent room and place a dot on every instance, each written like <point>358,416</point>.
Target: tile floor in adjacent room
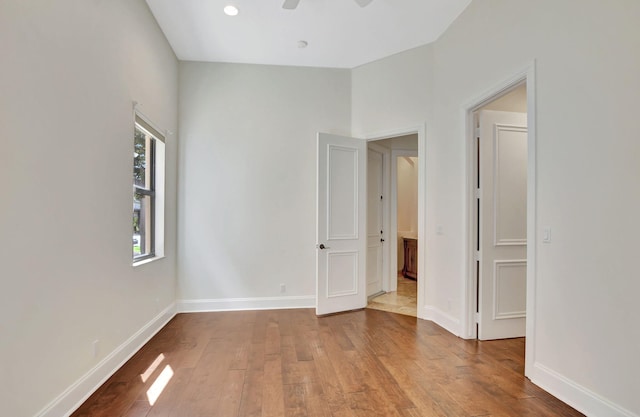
<point>403,301</point>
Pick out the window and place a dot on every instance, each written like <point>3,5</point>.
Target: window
<point>148,191</point>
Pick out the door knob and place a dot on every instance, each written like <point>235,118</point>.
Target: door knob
<point>321,246</point>
<point>381,240</point>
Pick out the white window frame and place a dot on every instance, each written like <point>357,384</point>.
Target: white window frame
<point>142,122</point>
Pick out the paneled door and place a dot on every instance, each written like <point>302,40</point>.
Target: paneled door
<point>502,224</point>
<point>341,224</point>
<point>375,234</point>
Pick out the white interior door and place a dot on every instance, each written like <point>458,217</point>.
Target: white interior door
<point>502,224</point>
<point>341,224</point>
<point>375,237</point>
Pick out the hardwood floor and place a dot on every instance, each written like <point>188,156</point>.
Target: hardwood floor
<point>291,363</point>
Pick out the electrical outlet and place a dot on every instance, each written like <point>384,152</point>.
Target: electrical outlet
<point>283,288</point>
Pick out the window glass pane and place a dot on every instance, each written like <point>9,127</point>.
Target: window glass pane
<point>141,225</point>
<point>140,159</point>
<point>145,143</point>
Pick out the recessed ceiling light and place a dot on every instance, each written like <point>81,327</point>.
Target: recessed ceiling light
<point>303,44</point>
<point>230,10</point>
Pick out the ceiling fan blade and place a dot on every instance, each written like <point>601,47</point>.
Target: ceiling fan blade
<point>363,3</point>
<point>290,4</point>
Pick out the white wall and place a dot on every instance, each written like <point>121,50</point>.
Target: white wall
<point>408,194</point>
<point>587,190</point>
<point>404,143</point>
<point>248,180</point>
<point>396,93</point>
<point>70,71</point>
<point>391,93</point>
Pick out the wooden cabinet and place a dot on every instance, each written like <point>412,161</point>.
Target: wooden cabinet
<point>410,269</point>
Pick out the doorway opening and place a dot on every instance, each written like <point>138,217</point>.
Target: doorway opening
<point>392,224</point>
<point>341,222</point>
<point>501,244</point>
<point>500,226</point>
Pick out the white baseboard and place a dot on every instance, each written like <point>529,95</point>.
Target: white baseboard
<point>257,303</point>
<point>442,319</point>
<point>577,396</point>
<point>76,394</point>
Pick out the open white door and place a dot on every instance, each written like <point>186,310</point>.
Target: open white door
<point>341,224</point>
<point>375,234</point>
<point>503,224</point>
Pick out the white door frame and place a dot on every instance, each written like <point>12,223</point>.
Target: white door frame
<point>419,129</point>
<point>469,285</point>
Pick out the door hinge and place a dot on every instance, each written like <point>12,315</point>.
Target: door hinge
<point>476,317</point>
<point>477,193</point>
<point>478,132</point>
<point>476,256</point>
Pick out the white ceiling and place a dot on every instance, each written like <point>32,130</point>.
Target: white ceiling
<point>340,33</point>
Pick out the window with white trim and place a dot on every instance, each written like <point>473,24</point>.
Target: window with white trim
<point>148,191</point>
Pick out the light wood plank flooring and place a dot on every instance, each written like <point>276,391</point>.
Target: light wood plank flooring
<point>291,363</point>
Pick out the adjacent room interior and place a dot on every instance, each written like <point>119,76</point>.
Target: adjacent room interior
<point>400,293</point>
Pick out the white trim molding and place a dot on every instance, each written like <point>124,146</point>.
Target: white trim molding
<point>577,396</point>
<point>442,319</point>
<point>67,402</point>
<point>497,266</point>
<point>498,240</point>
<point>256,303</point>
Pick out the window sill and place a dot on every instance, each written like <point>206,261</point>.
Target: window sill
<point>147,260</point>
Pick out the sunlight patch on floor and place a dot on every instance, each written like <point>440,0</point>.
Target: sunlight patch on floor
<point>151,369</point>
<point>159,385</point>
